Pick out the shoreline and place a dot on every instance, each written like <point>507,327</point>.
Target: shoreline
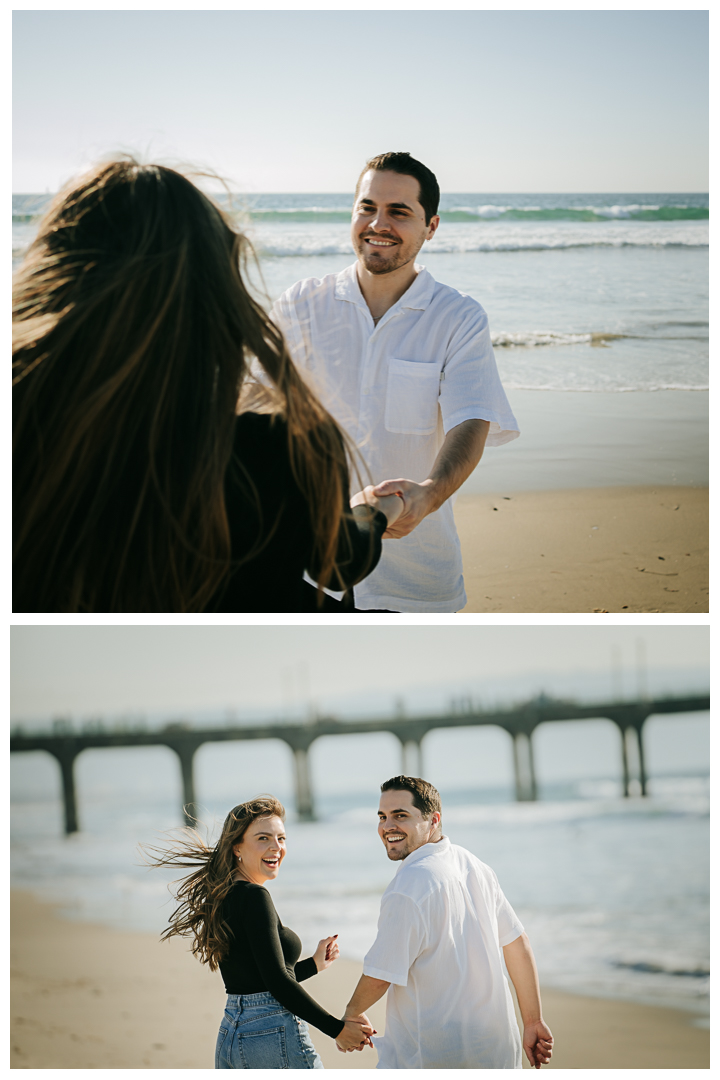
<point>111,999</point>
<point>592,549</point>
<point>588,439</point>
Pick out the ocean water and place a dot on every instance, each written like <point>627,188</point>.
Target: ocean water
<point>613,892</point>
<point>586,293</point>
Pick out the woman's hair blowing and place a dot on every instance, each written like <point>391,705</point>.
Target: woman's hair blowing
<point>133,336</point>
<point>201,893</point>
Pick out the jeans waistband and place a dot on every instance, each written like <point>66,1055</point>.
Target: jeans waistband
<point>246,1001</point>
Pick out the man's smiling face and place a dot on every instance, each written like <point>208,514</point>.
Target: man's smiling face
<point>401,826</point>
<point>388,224</point>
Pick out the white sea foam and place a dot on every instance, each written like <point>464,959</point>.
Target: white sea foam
<point>282,240</point>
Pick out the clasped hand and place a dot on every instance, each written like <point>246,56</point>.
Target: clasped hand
<point>404,503</point>
<point>356,1034</point>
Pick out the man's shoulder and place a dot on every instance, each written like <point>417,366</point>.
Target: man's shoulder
<point>440,868</point>
<point>308,290</point>
<point>447,298</point>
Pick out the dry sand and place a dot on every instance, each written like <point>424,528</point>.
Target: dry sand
<point>86,997</point>
<point>612,549</point>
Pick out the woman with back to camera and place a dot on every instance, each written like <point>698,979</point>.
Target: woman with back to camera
<point>226,908</point>
<point>137,486</point>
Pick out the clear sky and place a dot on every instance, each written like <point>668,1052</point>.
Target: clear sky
<point>81,670</point>
<point>276,101</point>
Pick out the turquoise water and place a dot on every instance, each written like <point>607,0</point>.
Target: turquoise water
<point>588,292</point>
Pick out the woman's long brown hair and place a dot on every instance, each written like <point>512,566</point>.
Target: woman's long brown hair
<point>133,334</point>
<point>201,893</point>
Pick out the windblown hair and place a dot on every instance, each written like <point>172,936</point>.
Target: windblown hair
<point>425,797</point>
<point>403,163</point>
<point>201,893</point>
<point>134,332</point>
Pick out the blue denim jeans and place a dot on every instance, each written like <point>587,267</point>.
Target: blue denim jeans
<point>257,1032</point>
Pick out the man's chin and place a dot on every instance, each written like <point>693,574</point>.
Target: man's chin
<point>395,853</point>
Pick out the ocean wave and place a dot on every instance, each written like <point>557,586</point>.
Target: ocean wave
<point>311,245</point>
<point>531,339</point>
<point>492,212</point>
<point>578,213</point>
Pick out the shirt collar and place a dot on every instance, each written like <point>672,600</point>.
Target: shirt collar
<point>417,296</point>
<point>425,850</point>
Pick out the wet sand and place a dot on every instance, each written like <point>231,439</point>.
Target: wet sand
<point>87,997</point>
<point>613,549</point>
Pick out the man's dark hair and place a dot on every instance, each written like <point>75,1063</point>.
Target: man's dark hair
<point>406,165</point>
<point>425,797</point>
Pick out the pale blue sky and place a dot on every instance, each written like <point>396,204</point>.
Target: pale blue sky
<point>81,670</point>
<point>492,101</point>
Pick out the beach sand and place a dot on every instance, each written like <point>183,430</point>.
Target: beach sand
<point>612,549</point>
<point>87,997</point>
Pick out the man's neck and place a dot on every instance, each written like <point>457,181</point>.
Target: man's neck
<point>381,291</point>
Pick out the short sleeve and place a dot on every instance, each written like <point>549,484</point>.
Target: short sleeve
<point>401,937</point>
<point>509,926</point>
<point>470,388</point>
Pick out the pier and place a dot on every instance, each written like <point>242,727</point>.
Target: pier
<point>520,721</point>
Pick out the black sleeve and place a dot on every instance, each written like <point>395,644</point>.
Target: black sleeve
<point>267,952</point>
<point>305,969</point>
<point>359,546</point>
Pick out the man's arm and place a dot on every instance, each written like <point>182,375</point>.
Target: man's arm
<point>459,454</point>
<point>537,1037</point>
<point>367,992</point>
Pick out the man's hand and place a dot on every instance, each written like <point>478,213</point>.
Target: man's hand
<point>537,1043</point>
<point>391,505</point>
<point>327,951</point>
<point>418,501</point>
<point>360,1018</point>
<point>355,1035</point>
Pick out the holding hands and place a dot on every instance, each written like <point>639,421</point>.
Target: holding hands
<point>354,1036</point>
<point>356,1033</point>
<point>403,502</point>
<point>391,506</point>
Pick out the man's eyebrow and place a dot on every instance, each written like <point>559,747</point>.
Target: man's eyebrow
<point>400,810</point>
<point>392,205</point>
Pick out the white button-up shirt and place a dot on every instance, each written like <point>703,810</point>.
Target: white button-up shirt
<point>443,920</point>
<point>397,388</point>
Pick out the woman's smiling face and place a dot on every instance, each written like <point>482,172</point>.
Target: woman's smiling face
<point>261,850</point>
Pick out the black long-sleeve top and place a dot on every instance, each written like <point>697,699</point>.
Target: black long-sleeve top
<point>263,956</point>
<point>272,580</point>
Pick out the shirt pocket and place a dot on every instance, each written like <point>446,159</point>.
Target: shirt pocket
<point>413,391</point>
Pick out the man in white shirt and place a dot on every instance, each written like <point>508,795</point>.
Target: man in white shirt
<point>443,922</point>
<point>406,365</point>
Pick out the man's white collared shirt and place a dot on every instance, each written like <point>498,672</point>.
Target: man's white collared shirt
<point>443,921</point>
<point>397,389</point>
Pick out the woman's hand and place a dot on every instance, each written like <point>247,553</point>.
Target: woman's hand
<point>327,951</point>
<point>392,506</point>
<point>354,1036</point>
